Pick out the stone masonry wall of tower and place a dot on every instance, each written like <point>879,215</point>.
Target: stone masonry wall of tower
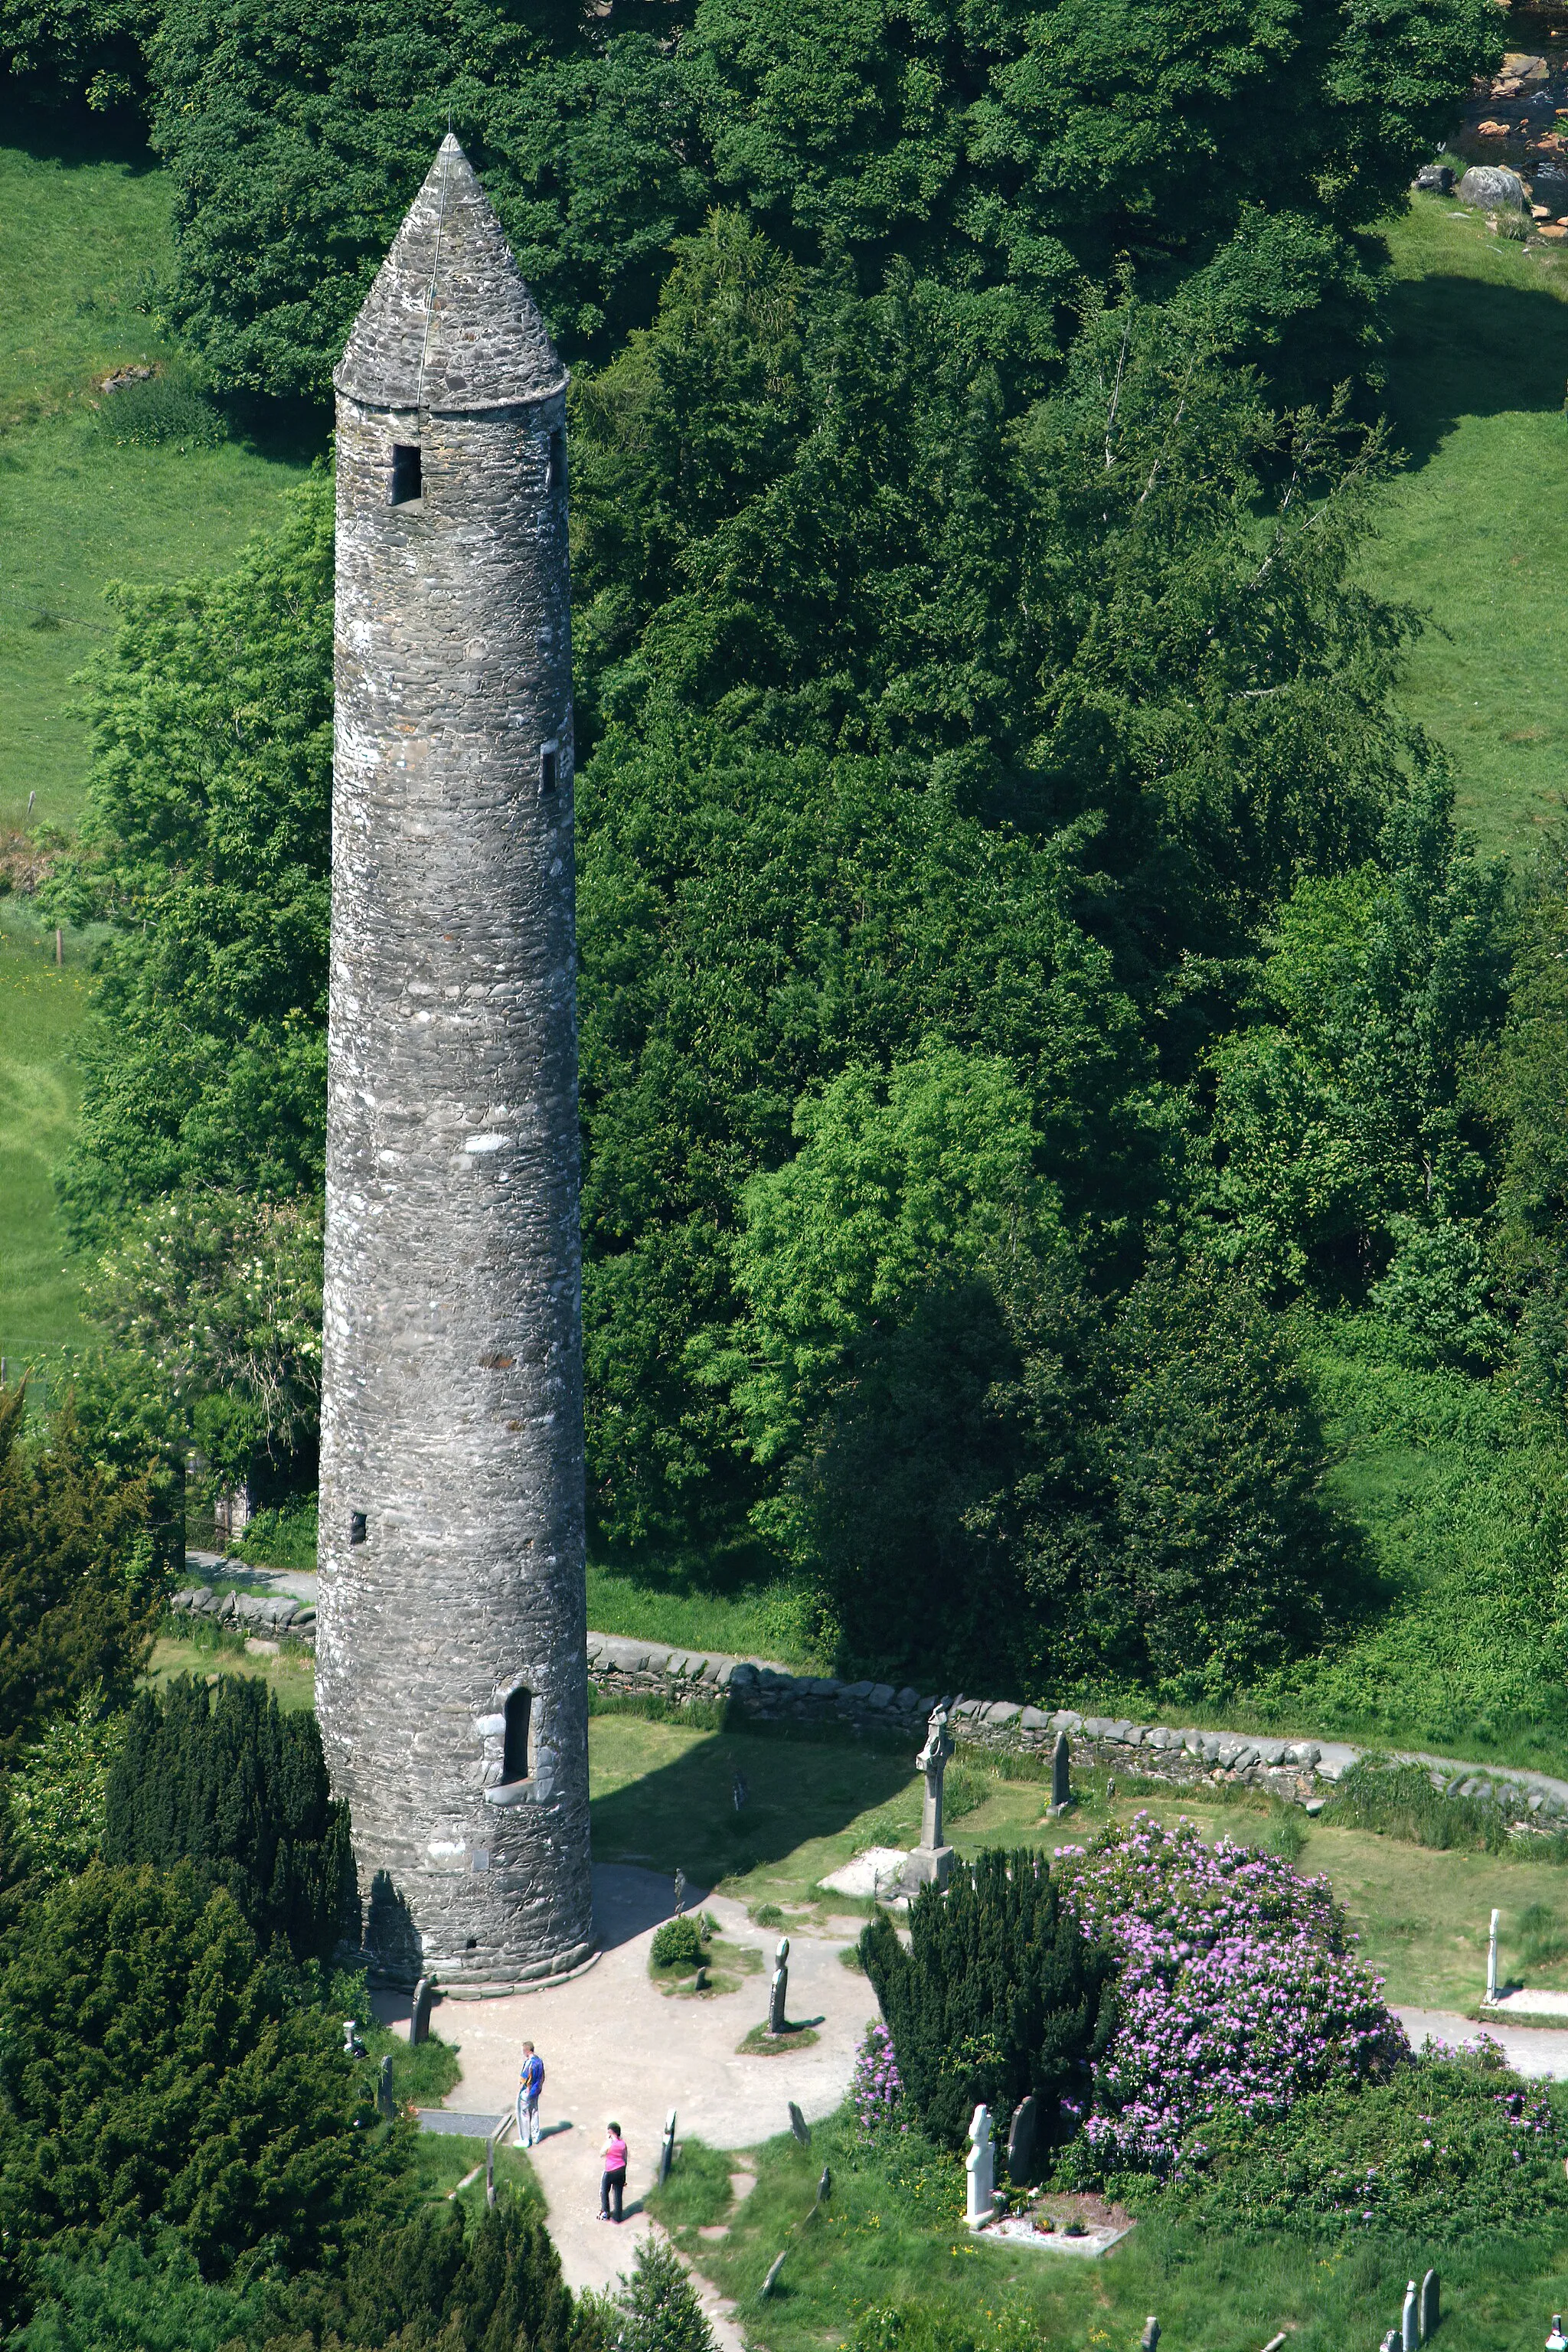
<point>452,1677</point>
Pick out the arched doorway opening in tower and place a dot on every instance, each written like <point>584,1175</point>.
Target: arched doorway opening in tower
<point>515,1756</point>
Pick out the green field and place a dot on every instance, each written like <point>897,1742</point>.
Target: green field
<point>84,234</point>
<point>40,1008</point>
<point>1476,530</point>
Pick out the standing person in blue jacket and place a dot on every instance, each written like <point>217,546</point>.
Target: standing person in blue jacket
<point>529,2082</point>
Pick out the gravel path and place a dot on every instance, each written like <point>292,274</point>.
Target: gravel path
<point>614,2044</point>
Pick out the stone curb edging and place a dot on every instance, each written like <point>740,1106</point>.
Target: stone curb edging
<point>1299,1772</point>
<point>274,1614</point>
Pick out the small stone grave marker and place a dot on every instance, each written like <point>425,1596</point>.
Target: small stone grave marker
<point>1061,1774</point>
<point>980,2164</point>
<point>1021,2135</point>
<point>1429,2313</point>
<point>419,2015</point>
<point>799,2126</point>
<point>780,1992</point>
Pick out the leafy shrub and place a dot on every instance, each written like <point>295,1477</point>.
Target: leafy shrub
<point>283,1537</point>
<point>659,2310</point>
<point>999,1995</point>
<point>1237,1989</point>
<point>963,1788</point>
<point>57,1794</point>
<point>1400,1800</point>
<point>157,411</point>
<point>157,2301</point>
<point>876,2091</point>
<point>78,1598</point>
<point>1285,1835</point>
<point>1450,2146</point>
<point>430,2283</point>
<point>678,1944</point>
<point>224,1780</point>
<point>153,2064</point>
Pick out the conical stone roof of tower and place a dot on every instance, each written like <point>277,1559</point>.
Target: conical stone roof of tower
<point>449,323</point>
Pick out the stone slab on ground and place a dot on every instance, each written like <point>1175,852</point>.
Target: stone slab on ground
<point>461,2126</point>
<point>1537,2051</point>
<point>1520,2001</point>
<point>614,2045</point>
<point>879,1866</point>
<point>1019,2230</point>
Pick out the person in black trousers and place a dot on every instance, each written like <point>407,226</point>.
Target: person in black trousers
<point>613,2184</point>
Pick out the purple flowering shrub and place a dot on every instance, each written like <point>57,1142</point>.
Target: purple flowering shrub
<point>1238,1991</point>
<point>1449,2146</point>
<point>877,2093</point>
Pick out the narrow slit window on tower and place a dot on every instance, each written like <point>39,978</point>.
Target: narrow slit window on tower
<point>555,464</point>
<point>549,767</point>
<point>514,1757</point>
<point>356,1526</point>
<point>407,474</point>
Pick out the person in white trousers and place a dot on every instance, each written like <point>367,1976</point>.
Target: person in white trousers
<point>529,2082</point>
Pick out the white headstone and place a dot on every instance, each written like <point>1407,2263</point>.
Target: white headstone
<point>980,2164</point>
<point>1491,1959</point>
<point>1410,2321</point>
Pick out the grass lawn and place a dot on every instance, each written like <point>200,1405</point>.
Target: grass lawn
<point>729,1604</point>
<point>1477,529</point>
<point>84,233</point>
<point>291,1674</point>
<point>40,1010</point>
<point>890,2234</point>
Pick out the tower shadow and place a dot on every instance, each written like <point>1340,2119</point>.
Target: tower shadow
<point>1460,347</point>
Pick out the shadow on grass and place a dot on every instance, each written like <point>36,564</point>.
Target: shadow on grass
<point>74,134</point>
<point>683,1812</point>
<point>1460,347</point>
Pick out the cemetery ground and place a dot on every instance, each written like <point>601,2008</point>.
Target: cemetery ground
<point>886,2260</point>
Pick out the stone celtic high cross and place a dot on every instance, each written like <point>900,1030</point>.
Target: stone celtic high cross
<point>450,1677</point>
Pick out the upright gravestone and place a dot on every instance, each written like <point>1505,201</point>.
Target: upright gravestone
<point>1429,2313</point>
<point>1150,2335</point>
<point>1409,2320</point>
<point>799,2126</point>
<point>780,1992</point>
<point>932,1862</point>
<point>1061,1774</point>
<point>419,2015</point>
<point>980,2164</point>
<point>679,1893</point>
<point>666,2148</point>
<point>386,2104</point>
<point>1021,2135</point>
<point>1491,1958</point>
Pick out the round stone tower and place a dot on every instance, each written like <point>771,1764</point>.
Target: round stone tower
<point>452,1677</point>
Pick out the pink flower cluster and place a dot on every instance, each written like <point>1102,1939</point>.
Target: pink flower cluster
<point>1236,1988</point>
<point>878,2089</point>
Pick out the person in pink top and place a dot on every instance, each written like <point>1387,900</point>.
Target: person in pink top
<point>614,2183</point>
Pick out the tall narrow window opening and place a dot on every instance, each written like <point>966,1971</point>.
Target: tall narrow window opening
<point>555,468</point>
<point>514,1759</point>
<point>407,474</point>
<point>356,1526</point>
<point>549,767</point>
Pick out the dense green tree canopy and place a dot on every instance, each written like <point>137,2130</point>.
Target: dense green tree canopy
<point>207,845</point>
<point>154,2066</point>
<point>78,1586</point>
<point>224,1781</point>
<point>1013,157</point>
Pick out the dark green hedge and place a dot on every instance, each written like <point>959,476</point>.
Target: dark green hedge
<point>998,1996</point>
<point>222,1780</point>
